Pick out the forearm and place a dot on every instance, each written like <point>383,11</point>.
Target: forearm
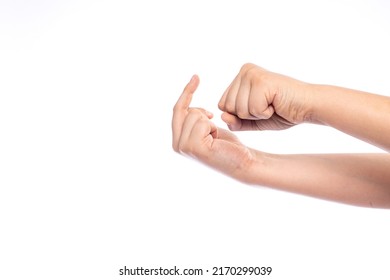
<point>360,114</point>
<point>358,179</point>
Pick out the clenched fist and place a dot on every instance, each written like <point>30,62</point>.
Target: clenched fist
<point>258,99</point>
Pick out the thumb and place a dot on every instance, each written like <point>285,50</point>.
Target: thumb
<point>234,123</point>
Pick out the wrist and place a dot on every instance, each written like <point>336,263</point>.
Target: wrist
<point>258,171</point>
<point>315,100</point>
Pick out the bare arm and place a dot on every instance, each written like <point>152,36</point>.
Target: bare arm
<point>259,99</point>
<point>360,114</point>
<point>357,179</point>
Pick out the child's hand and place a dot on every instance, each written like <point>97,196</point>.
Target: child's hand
<point>261,100</point>
<point>196,136</point>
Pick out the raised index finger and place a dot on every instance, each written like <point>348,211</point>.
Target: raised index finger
<point>185,98</point>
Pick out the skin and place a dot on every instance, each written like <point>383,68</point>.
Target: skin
<point>258,99</point>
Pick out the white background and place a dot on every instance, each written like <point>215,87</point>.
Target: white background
<point>88,180</point>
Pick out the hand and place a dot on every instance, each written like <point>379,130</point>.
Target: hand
<point>261,100</point>
<point>193,134</point>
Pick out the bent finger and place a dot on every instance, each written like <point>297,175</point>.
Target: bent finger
<point>190,120</point>
<point>229,103</point>
<point>201,138</point>
<point>204,111</point>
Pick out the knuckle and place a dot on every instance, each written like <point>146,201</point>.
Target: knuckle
<point>202,122</point>
<point>183,149</point>
<point>242,113</point>
<point>221,105</point>
<point>246,66</point>
<point>254,111</point>
<point>175,148</point>
<point>230,107</point>
<point>262,113</point>
<point>253,75</point>
<point>176,108</point>
<point>195,112</point>
<point>259,78</point>
<point>252,71</point>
